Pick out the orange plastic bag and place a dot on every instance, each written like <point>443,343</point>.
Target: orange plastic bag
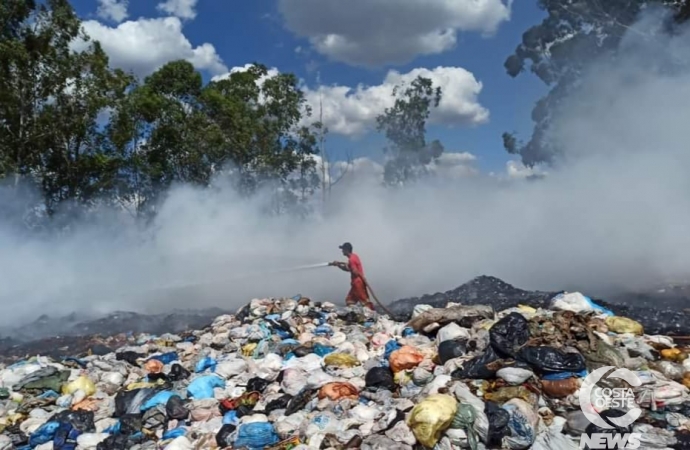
<point>405,358</point>
<point>338,390</point>
<point>153,366</point>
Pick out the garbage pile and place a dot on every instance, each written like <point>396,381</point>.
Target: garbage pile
<point>290,374</point>
<point>661,311</point>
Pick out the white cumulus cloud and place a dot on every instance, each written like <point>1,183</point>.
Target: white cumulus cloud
<point>353,110</point>
<point>145,45</point>
<point>184,9</point>
<point>115,10</point>
<point>379,32</point>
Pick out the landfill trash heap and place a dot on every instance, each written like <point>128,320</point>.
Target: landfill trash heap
<point>295,374</point>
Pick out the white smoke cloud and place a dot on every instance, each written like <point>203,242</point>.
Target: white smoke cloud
<point>614,214</point>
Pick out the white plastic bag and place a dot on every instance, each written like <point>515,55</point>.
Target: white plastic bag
<point>514,375</point>
<point>452,331</point>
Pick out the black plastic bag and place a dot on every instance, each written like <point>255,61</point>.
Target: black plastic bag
<point>606,415</point>
<point>178,373</point>
<point>302,351</point>
<point>154,377</point>
<point>257,384</point>
<point>498,423</point>
<point>279,403</point>
<point>481,367</point>
<point>548,359</point>
<point>452,349</point>
<point>81,420</point>
<point>508,335</point>
<point>131,424</point>
<point>130,357</point>
<point>176,409</point>
<point>129,402</point>
<point>380,378</point>
<point>298,402</point>
<point>223,437</point>
<point>114,442</point>
<point>244,410</point>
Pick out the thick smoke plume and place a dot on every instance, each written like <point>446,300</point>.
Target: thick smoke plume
<point>614,214</point>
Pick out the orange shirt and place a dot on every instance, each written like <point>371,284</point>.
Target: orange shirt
<point>355,265</point>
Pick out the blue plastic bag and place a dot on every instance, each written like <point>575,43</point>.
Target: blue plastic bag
<point>166,358</point>
<point>160,398</point>
<point>174,433</point>
<point>256,436</point>
<point>206,363</point>
<point>391,346</point>
<point>323,330</point>
<point>49,394</point>
<point>564,375</point>
<point>230,418</point>
<point>323,350</point>
<point>45,433</point>
<point>202,387</point>
<point>407,331</point>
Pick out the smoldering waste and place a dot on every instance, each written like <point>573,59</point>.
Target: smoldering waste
<point>296,374</point>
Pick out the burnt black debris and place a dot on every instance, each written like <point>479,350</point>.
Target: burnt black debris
<point>667,316</point>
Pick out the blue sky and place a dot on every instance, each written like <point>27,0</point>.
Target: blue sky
<point>267,31</point>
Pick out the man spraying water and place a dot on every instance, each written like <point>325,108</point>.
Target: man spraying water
<point>358,285</point>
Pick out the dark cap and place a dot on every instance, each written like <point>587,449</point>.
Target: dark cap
<point>346,246</point>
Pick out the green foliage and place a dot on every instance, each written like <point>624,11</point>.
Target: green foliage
<point>50,100</point>
<point>574,34</point>
<point>404,126</point>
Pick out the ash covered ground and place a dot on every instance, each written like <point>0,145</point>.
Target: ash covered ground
<point>661,310</point>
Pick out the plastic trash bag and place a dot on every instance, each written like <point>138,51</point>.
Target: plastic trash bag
<point>83,383</point>
<point>452,331</point>
<point>205,363</point>
<point>178,373</point>
<point>577,303</point>
<point>560,388</point>
<point>522,424</point>
<point>44,434</point>
<point>481,367</point>
<point>224,435</point>
<point>256,436</point>
<point>159,398</point>
<point>380,378</point>
<point>623,325</point>
<point>130,402</point>
<point>338,390</point>
<point>176,409</point>
<point>406,358</point>
<point>549,359</point>
<point>203,387</point>
<point>257,384</point>
<point>431,417</point>
<point>451,349</point>
<point>509,335</point>
<point>340,360</point>
<point>498,419</point>
<point>514,375</point>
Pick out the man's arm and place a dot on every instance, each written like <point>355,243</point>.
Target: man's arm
<point>345,267</point>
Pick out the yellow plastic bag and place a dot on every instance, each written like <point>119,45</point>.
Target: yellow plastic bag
<point>248,349</point>
<point>431,417</point>
<point>622,325</point>
<point>340,360</point>
<point>83,383</point>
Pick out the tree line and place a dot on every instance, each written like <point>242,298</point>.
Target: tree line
<point>84,133</point>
